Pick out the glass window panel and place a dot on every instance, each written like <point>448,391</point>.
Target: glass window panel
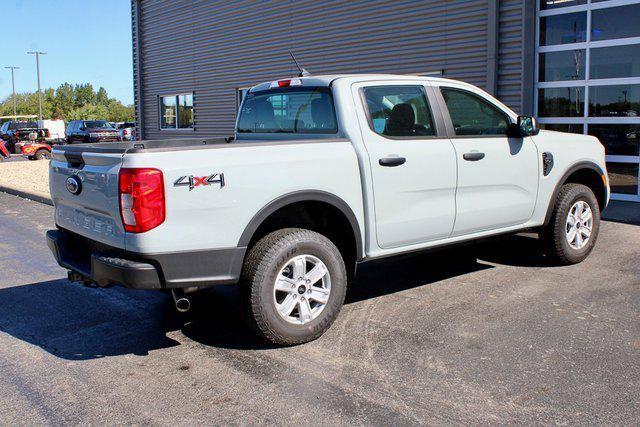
<point>168,112</point>
<point>554,4</point>
<point>623,177</point>
<point>615,61</point>
<point>614,101</point>
<point>562,29</point>
<point>615,22</point>
<point>399,111</point>
<point>185,111</point>
<point>564,127</point>
<point>564,65</point>
<point>621,140</point>
<point>473,115</point>
<point>561,102</point>
<point>289,110</point>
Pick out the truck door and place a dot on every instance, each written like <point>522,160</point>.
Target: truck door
<point>497,175</point>
<point>412,162</point>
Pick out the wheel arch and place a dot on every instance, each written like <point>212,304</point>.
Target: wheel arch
<point>587,173</point>
<point>299,198</point>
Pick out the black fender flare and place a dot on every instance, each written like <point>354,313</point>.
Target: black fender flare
<point>304,196</point>
<point>567,174</point>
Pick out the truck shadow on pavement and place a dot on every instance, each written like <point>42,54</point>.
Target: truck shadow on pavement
<point>217,320</point>
<point>77,323</point>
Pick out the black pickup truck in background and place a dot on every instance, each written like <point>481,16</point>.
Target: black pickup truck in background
<point>86,131</point>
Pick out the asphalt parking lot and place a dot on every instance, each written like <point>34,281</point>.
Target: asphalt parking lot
<point>422,340</point>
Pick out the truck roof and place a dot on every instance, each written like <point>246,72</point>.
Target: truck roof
<point>327,80</point>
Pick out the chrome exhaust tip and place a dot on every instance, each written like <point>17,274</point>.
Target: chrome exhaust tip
<point>182,302</point>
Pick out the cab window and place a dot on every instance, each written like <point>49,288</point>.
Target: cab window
<point>294,110</point>
<point>399,111</point>
<point>473,115</point>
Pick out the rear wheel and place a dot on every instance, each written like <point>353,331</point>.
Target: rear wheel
<point>293,286</point>
<point>42,154</point>
<point>574,226</point>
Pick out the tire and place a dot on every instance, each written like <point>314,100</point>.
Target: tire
<point>559,230</point>
<point>280,255</point>
<point>42,154</point>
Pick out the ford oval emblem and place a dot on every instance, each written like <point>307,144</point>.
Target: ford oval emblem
<point>74,185</point>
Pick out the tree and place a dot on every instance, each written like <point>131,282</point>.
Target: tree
<point>69,102</point>
<point>101,97</point>
<point>84,95</point>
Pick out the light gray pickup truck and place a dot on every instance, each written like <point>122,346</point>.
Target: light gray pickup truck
<point>324,173</point>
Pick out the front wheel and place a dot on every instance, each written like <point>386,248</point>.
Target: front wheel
<point>293,286</point>
<point>42,154</point>
<point>574,226</point>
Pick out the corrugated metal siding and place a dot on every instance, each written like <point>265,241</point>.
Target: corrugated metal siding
<point>510,49</point>
<point>136,66</point>
<point>214,47</point>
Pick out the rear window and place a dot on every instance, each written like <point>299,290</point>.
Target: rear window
<point>22,125</point>
<point>301,110</point>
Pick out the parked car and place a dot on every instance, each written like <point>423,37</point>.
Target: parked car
<point>86,131</point>
<point>350,169</point>
<point>127,130</point>
<point>37,151</point>
<point>12,131</point>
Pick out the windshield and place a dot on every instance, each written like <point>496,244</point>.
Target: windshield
<point>97,124</point>
<point>289,110</point>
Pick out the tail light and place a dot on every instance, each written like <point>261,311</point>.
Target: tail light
<point>142,203</point>
<point>125,132</point>
<point>47,133</point>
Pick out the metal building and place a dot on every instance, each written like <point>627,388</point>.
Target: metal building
<point>573,63</point>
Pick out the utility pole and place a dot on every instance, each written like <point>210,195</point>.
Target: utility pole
<point>13,84</point>
<point>37,54</point>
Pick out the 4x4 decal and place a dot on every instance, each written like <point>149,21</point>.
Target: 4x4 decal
<point>196,181</point>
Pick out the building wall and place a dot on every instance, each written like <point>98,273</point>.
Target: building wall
<point>212,48</point>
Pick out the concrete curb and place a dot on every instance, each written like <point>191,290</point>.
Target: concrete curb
<point>27,195</point>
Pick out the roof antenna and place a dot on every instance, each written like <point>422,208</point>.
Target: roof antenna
<point>303,72</point>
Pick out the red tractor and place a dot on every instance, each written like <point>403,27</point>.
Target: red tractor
<point>4,153</point>
<point>37,151</point>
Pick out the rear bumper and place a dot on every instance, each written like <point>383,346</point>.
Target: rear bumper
<point>106,266</point>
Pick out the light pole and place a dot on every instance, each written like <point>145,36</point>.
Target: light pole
<point>37,54</point>
<point>13,84</point>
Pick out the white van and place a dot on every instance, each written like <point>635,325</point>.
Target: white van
<point>56,130</point>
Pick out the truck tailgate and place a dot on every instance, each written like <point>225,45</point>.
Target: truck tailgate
<point>93,209</point>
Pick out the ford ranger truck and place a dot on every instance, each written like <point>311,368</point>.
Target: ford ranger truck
<point>323,173</point>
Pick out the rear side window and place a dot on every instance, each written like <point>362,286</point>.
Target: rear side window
<point>289,110</point>
<point>399,111</point>
<point>473,115</point>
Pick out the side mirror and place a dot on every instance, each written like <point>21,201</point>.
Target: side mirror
<point>525,126</point>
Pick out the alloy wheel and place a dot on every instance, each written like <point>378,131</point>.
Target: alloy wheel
<point>579,225</point>
<point>301,289</point>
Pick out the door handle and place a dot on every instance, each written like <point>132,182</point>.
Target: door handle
<point>392,161</point>
<point>473,156</point>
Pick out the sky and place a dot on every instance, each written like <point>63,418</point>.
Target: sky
<point>87,41</point>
